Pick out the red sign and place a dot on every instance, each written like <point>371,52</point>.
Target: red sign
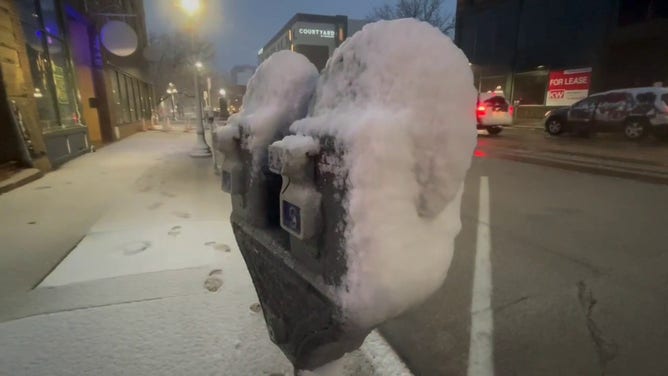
<point>568,86</point>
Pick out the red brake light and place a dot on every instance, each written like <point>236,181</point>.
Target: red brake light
<point>480,111</point>
<point>511,109</point>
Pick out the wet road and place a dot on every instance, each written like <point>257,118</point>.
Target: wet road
<point>578,266</point>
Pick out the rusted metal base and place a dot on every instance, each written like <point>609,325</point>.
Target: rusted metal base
<point>302,316</point>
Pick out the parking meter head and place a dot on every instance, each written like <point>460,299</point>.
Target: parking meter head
<point>278,93</point>
<point>397,98</point>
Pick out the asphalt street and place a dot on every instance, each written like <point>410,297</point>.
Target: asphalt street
<point>578,261</point>
<point>561,267</point>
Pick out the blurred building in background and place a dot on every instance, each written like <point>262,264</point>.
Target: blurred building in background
<point>313,35</point>
<point>533,49</point>
<point>63,88</point>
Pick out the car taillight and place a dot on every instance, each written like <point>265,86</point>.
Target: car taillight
<point>480,111</point>
<point>511,109</point>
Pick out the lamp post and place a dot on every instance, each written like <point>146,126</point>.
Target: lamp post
<point>201,148</point>
<point>171,90</point>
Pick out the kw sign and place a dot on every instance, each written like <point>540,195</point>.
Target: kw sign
<point>568,86</point>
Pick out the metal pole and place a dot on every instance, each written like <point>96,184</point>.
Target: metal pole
<point>201,148</point>
<point>173,108</point>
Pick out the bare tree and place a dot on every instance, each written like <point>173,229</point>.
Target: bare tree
<point>172,57</point>
<point>430,11</point>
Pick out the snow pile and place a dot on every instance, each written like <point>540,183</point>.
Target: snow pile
<point>277,94</point>
<point>399,95</point>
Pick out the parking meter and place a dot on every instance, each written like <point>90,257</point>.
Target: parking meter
<point>233,175</point>
<point>346,214</point>
<point>297,257</point>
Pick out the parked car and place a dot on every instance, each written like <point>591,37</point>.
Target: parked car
<point>636,112</point>
<point>493,113</point>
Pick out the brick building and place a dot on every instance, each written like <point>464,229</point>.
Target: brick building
<point>62,91</point>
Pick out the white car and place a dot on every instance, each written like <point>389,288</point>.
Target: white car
<point>493,113</point>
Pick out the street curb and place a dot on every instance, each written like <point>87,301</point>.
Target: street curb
<point>21,178</point>
<point>526,126</point>
<point>382,356</point>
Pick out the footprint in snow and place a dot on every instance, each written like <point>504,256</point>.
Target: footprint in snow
<point>136,247</point>
<point>175,230</point>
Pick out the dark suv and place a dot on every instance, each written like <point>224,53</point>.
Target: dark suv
<point>636,112</point>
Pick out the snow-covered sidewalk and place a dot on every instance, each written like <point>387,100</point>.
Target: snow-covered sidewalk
<point>156,286</point>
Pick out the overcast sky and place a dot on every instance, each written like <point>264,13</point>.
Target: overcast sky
<point>239,28</point>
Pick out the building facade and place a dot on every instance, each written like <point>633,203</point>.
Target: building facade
<point>315,36</point>
<point>64,91</point>
<point>530,47</point>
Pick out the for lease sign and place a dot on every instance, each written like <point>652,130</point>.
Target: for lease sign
<point>568,86</point>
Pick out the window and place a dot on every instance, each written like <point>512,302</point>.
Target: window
<point>646,98</point>
<point>636,11</point>
<point>50,18</point>
<point>62,79</point>
<point>49,60</point>
<point>115,94</point>
<point>138,104</point>
<point>131,98</point>
<point>491,83</point>
<point>614,106</point>
<point>497,102</point>
<point>587,104</point>
<point>123,94</point>
<point>530,89</point>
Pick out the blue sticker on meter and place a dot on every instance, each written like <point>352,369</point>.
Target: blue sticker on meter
<point>292,219</point>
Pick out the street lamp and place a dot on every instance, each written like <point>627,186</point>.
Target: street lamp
<point>201,149</point>
<point>171,90</point>
<point>190,6</point>
<point>221,92</point>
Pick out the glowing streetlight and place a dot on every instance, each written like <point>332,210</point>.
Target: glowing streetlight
<point>171,90</point>
<point>190,6</point>
<point>221,92</point>
<point>199,65</point>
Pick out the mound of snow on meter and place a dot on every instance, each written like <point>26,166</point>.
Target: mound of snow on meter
<point>398,96</point>
<point>277,94</point>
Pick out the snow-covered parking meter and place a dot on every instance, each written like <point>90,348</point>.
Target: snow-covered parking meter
<point>233,179</point>
<point>351,183</point>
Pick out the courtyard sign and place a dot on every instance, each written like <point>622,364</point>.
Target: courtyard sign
<point>329,34</point>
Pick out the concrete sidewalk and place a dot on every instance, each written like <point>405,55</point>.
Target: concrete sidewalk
<point>42,221</point>
<point>154,283</point>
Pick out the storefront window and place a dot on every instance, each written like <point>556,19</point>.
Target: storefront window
<point>115,93</point>
<point>50,68</point>
<point>492,83</point>
<point>41,77</point>
<point>62,79</point>
<point>530,89</point>
<point>131,98</point>
<point>50,18</point>
<point>138,106</point>
<point>124,99</point>
<point>149,100</point>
